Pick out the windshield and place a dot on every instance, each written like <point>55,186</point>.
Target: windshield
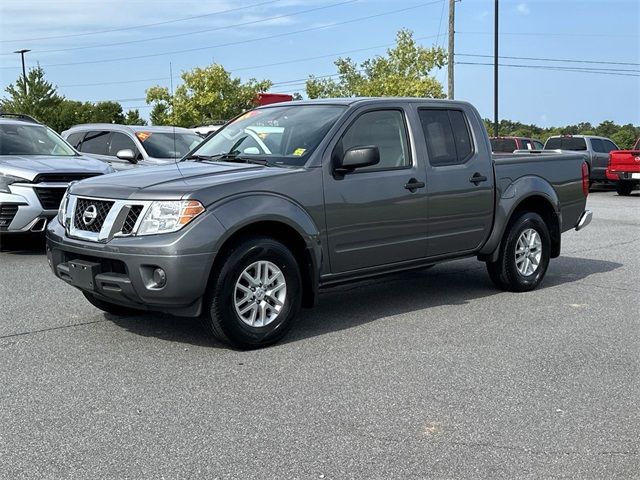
<point>283,135</point>
<point>566,143</point>
<point>30,139</point>
<point>166,145</point>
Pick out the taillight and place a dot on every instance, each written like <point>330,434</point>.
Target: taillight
<point>585,179</point>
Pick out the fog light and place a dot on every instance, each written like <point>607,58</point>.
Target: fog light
<point>159,278</point>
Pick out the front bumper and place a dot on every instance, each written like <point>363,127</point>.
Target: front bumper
<point>22,212</point>
<point>121,271</point>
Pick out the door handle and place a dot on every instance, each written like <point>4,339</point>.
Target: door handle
<point>413,184</point>
<point>477,178</point>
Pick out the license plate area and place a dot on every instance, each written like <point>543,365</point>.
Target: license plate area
<point>635,176</point>
<point>83,273</point>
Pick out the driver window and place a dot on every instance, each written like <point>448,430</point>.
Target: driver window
<point>386,130</point>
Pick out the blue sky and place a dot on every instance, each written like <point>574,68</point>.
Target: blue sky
<point>585,30</point>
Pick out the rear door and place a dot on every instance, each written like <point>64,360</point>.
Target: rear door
<point>460,182</point>
<point>376,215</point>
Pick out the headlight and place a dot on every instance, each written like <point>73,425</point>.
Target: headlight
<point>62,209</point>
<point>6,180</point>
<point>169,216</point>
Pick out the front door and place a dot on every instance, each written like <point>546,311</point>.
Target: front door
<point>460,183</point>
<point>376,215</point>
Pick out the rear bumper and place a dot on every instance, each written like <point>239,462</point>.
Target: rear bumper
<point>624,176</point>
<point>124,275</point>
<point>584,220</point>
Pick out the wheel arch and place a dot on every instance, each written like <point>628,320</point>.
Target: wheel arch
<point>540,198</point>
<point>279,218</point>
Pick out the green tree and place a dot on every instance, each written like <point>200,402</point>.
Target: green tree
<point>40,100</point>
<point>406,70</point>
<point>133,118</point>
<point>206,95</point>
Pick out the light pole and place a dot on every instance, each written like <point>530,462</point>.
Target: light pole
<point>495,72</point>
<point>24,71</point>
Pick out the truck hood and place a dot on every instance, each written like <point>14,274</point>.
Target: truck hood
<point>173,182</point>
<point>30,166</point>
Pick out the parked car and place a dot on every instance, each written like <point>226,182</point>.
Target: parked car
<point>349,189</point>
<point>595,150</point>
<point>36,166</point>
<point>511,144</point>
<point>127,146</point>
<point>624,169</point>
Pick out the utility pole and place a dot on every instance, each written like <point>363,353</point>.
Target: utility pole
<point>24,71</point>
<point>495,72</point>
<point>450,61</point>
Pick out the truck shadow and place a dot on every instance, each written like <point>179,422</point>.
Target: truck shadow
<point>353,305</point>
<point>23,244</point>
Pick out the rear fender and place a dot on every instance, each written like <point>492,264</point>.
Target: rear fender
<point>519,193</point>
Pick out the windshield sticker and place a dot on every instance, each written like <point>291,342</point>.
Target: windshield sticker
<point>298,152</point>
<point>142,136</point>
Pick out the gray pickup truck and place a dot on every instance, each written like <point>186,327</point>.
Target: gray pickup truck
<point>290,198</point>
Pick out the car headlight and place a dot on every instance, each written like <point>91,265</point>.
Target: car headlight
<point>169,216</point>
<point>62,209</point>
<point>6,180</point>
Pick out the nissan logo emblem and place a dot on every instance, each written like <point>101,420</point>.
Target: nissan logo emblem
<point>90,214</point>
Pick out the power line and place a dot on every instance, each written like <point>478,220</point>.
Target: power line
<point>253,67</point>
<point>564,69</point>
<point>322,27</point>
<point>554,34</point>
<point>137,27</point>
<point>542,59</point>
<point>164,37</point>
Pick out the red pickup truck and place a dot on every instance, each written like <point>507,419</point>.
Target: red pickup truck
<point>624,168</point>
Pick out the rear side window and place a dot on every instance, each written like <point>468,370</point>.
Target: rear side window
<point>96,142</point>
<point>74,139</point>
<point>526,144</point>
<point>120,141</point>
<point>597,145</point>
<point>576,144</point>
<point>503,145</point>
<point>447,136</point>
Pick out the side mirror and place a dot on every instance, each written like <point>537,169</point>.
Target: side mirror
<point>251,151</point>
<point>358,157</point>
<point>127,154</point>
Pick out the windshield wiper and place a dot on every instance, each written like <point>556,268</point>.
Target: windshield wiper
<point>199,158</point>
<point>237,158</point>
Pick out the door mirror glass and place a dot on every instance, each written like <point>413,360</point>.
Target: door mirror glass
<point>127,154</point>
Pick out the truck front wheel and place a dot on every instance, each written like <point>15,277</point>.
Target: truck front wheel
<point>524,254</point>
<point>255,295</point>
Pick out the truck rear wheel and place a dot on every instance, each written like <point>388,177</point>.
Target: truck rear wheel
<point>624,189</point>
<point>524,254</point>
<point>255,295</point>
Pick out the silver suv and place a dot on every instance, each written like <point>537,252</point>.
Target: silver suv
<point>127,146</point>
<point>36,166</point>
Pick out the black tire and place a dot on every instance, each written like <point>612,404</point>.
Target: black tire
<point>504,272</point>
<point>624,189</point>
<point>109,307</point>
<point>219,311</point>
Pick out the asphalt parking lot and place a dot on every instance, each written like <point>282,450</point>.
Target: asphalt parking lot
<point>430,374</point>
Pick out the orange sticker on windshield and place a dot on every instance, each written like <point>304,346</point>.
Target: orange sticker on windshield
<point>142,136</point>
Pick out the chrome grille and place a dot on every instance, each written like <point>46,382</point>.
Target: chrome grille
<point>132,218</point>
<point>80,217</point>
